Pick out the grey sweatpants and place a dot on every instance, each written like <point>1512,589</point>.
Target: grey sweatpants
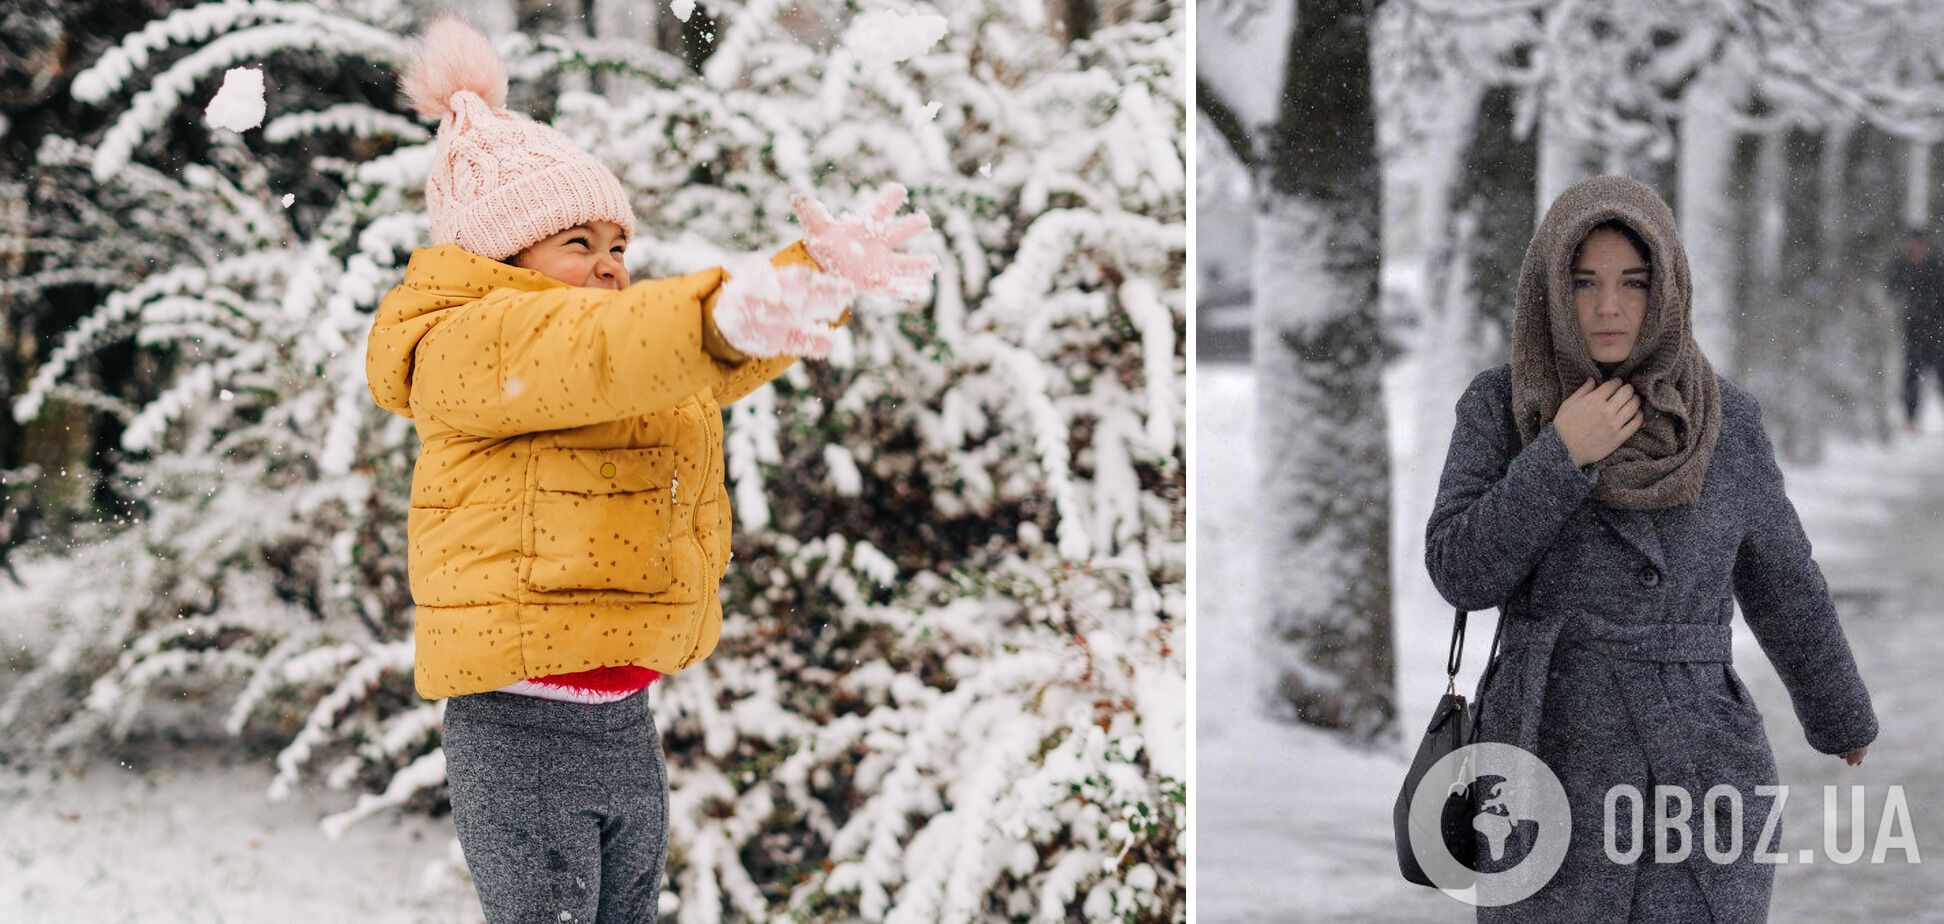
<point>561,808</point>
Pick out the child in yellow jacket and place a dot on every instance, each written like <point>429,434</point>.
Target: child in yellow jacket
<point>568,523</point>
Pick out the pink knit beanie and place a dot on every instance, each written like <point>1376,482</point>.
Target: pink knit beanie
<point>500,181</point>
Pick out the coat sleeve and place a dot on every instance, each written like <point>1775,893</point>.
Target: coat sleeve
<point>755,373</point>
<point>1499,508</point>
<point>1787,605</point>
<point>523,362</point>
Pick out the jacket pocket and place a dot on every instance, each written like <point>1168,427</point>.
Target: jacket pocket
<point>1736,690</point>
<point>1730,697</point>
<point>601,519</point>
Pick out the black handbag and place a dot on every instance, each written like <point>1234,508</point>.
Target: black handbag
<point>1453,726</point>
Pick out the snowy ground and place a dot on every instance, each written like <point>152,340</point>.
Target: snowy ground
<point>1293,826</point>
<point>166,833</point>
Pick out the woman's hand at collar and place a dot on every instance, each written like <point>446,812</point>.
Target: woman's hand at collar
<point>1597,419</point>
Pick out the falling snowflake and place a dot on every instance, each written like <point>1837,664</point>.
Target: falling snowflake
<point>288,198</point>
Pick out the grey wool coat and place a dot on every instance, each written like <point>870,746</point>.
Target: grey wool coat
<point>1615,657</point>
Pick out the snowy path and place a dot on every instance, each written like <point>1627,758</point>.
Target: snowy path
<point>1876,520</point>
<point>1293,826</point>
<point>186,834</point>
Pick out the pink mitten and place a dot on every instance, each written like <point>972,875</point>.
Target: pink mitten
<point>766,310</point>
<point>862,249</point>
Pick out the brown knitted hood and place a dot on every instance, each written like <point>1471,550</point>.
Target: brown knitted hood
<point>1663,463</point>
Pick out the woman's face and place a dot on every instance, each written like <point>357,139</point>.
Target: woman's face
<point>1610,280</point>
<point>583,255</point>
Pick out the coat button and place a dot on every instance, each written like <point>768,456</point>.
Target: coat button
<point>1649,576</point>
<point>607,470</point>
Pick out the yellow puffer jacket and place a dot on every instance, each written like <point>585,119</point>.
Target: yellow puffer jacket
<point>568,509</point>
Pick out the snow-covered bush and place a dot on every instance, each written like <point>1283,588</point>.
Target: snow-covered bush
<point>951,682</point>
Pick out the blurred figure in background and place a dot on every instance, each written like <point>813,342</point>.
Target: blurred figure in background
<point>1917,281</point>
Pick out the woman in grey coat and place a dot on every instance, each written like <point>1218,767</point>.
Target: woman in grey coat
<point>1614,497</point>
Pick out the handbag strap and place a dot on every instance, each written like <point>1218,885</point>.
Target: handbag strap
<point>1456,653</point>
<point>1485,677</point>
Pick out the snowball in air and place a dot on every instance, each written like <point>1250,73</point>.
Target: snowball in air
<point>883,37</point>
<point>238,106</point>
<point>682,9</point>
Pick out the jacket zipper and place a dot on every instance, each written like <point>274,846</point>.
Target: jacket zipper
<point>674,498</point>
<point>714,443</point>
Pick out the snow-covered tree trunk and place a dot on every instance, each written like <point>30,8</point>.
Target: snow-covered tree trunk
<point>1319,356</point>
<point>1429,239</point>
<point>1496,185</point>
<point>1448,353</point>
<point>1917,183</point>
<point>1832,199</point>
<point>1562,158</point>
<point>1419,188</point>
<point>1769,227</point>
<point>1707,211</point>
<point>1783,323</point>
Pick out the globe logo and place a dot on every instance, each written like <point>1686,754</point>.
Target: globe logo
<point>1507,798</point>
<point>1496,823</point>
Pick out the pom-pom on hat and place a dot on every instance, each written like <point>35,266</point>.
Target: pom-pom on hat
<point>500,181</point>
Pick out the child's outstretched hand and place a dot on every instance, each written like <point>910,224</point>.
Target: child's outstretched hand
<point>862,248</point>
<point>766,310</point>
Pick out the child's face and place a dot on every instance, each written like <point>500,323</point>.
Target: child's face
<point>583,255</point>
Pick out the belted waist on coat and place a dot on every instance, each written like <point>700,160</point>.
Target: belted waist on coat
<point>1664,739</point>
<point>1663,642</point>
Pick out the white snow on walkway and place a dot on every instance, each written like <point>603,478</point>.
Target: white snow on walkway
<point>163,833</point>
